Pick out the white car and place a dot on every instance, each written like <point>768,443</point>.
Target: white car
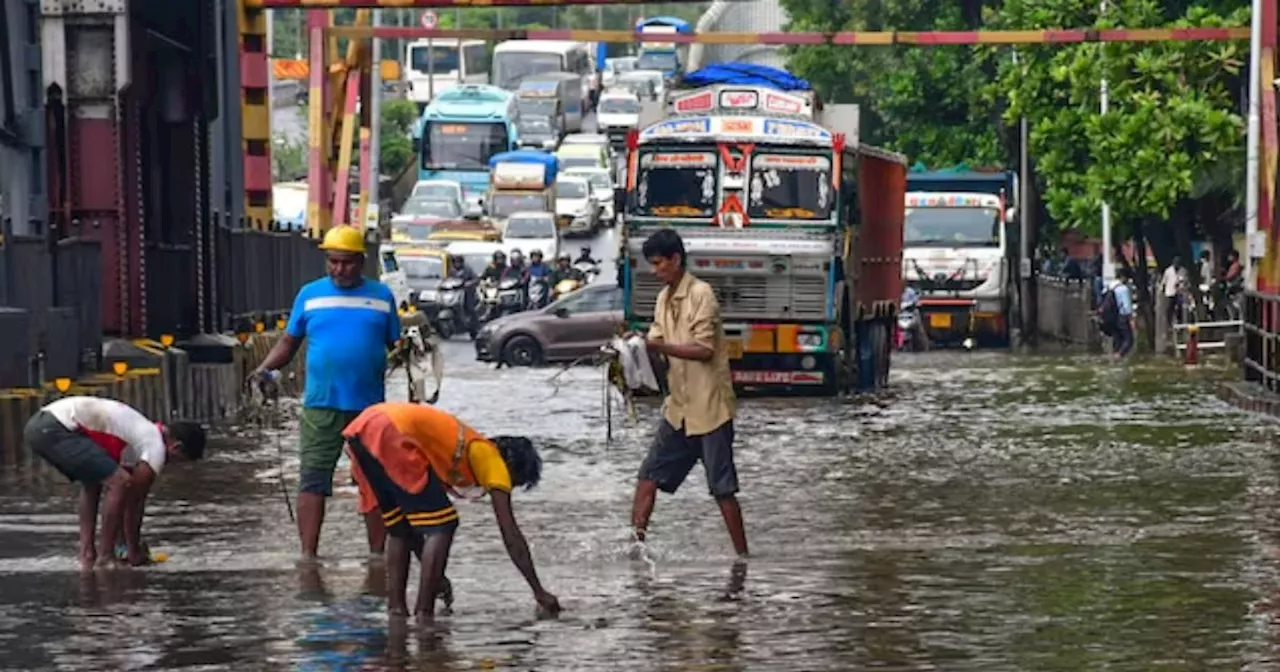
<point>529,231</point>
<point>598,139</point>
<point>575,204</point>
<point>613,67</point>
<point>476,254</point>
<point>602,188</point>
<point>440,190</point>
<point>617,113</point>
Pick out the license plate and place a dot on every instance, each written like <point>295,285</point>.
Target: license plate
<point>940,320</point>
<point>734,349</point>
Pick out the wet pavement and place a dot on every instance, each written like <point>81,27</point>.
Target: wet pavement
<point>994,512</point>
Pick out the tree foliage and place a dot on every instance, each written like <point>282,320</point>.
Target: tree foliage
<point>1172,127</point>
<point>1172,117</point>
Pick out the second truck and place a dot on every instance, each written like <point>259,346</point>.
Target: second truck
<point>794,223</point>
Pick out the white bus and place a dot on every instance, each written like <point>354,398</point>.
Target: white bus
<point>514,60</point>
<point>450,62</point>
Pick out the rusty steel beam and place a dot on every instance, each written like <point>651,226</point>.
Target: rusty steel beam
<point>879,38</point>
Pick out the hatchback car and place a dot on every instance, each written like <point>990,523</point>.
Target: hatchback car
<point>568,329</point>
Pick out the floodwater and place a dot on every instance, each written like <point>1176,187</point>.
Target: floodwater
<point>994,512</point>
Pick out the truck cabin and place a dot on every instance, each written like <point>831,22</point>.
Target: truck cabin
<point>519,187</point>
<point>730,157</point>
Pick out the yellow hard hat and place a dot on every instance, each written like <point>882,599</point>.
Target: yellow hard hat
<point>344,239</point>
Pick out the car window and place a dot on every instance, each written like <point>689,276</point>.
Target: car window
<point>598,301</point>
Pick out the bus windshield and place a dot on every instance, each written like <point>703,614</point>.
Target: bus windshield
<point>511,67</point>
<point>463,145</point>
<point>790,186</point>
<point>437,59</point>
<point>676,184</point>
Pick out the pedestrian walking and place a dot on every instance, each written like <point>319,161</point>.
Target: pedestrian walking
<point>698,411</point>
<point>1122,339</point>
<point>349,323</point>
<point>1172,282</point>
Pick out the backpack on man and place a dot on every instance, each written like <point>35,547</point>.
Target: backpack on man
<point>1109,312</point>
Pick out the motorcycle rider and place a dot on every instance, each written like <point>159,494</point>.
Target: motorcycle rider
<point>497,269</point>
<point>516,265</point>
<point>458,269</point>
<point>584,256</point>
<point>564,271</point>
<point>540,272</point>
<point>537,269</point>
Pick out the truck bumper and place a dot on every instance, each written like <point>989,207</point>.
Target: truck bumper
<point>951,322</point>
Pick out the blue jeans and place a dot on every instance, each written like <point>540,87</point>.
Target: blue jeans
<point>1122,339</point>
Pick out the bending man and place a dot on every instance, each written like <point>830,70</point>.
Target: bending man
<point>407,459</point>
<point>102,442</point>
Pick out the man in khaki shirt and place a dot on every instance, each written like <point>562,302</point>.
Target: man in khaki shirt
<point>697,415</point>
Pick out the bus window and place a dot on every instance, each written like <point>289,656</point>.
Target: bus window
<point>440,59</point>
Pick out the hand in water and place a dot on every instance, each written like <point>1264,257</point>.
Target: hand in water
<point>547,604</point>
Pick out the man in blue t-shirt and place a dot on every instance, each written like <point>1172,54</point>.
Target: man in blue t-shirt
<point>1122,339</point>
<point>349,323</point>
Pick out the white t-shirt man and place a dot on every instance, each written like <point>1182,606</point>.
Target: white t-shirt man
<point>1169,281</point>
<point>125,434</point>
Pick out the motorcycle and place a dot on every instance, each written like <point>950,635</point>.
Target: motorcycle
<point>910,335</point>
<point>566,286</point>
<point>490,304</point>
<point>539,293</point>
<point>588,270</point>
<point>453,317</point>
<point>511,295</point>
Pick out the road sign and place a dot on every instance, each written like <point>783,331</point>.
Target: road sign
<point>430,20</point>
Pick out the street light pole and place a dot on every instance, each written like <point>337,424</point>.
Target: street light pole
<point>1253,143</point>
<point>1108,262</point>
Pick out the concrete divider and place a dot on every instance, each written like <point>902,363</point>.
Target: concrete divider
<point>163,383</point>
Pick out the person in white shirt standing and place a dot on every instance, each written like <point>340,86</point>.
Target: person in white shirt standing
<point>104,443</point>
<point>1171,284</point>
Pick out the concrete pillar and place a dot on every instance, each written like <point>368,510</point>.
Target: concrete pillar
<point>85,48</point>
<point>256,115</point>
<point>23,205</point>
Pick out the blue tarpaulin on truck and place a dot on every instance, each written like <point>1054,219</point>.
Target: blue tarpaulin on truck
<point>529,156</point>
<point>745,74</point>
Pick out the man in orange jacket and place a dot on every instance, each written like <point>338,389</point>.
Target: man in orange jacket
<point>407,459</point>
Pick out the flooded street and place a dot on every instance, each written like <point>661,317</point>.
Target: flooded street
<point>994,512</point>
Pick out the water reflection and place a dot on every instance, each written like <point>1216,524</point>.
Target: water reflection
<point>995,513</point>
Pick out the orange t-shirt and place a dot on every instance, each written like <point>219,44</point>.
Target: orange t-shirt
<point>408,439</point>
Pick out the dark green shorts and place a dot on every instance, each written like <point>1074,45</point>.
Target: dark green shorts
<point>319,446</point>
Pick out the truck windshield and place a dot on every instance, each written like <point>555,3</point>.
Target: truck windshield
<point>790,186</point>
<point>511,66</point>
<point>952,227</point>
<point>620,106</point>
<point>530,124</point>
<point>658,60</point>
<point>537,107</point>
<point>676,184</point>
<point>463,146</point>
<point>504,205</point>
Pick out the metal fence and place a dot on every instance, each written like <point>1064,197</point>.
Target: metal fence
<point>53,325</point>
<point>260,272</point>
<point>1261,361</point>
<point>1064,311</point>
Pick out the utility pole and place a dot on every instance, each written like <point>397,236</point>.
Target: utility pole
<point>373,200</point>
<point>1026,265</point>
<point>1253,144</point>
<point>1108,263</point>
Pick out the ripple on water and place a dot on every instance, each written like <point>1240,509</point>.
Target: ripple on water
<point>992,512</point>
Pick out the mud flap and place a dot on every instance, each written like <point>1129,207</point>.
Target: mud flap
<point>866,380</point>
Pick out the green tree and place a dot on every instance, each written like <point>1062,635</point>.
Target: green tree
<point>924,102</point>
<point>394,144</point>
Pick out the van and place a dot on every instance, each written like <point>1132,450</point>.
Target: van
<point>551,93</point>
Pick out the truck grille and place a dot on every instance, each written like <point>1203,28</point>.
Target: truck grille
<point>754,297</point>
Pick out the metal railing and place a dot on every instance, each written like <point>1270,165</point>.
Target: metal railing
<point>1261,361</point>
<point>1065,311</point>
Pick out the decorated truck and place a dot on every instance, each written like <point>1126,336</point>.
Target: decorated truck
<point>522,181</point>
<point>959,253</point>
<point>794,223</point>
